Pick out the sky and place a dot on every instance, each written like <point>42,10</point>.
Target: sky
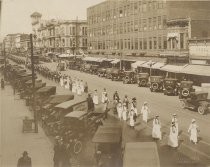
<point>15,14</point>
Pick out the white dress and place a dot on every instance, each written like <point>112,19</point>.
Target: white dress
<point>132,123</point>
<point>74,89</point>
<point>173,137</point>
<point>95,99</point>
<point>79,92</point>
<point>103,97</point>
<point>124,113</point>
<point>145,113</point>
<point>82,87</point>
<point>119,110</point>
<point>156,133</point>
<point>193,130</point>
<point>61,82</point>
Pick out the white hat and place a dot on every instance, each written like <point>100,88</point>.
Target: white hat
<point>193,120</point>
<point>145,103</point>
<point>174,114</point>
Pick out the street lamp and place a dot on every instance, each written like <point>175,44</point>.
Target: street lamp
<point>33,82</point>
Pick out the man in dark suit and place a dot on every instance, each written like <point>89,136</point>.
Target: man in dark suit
<point>24,161</point>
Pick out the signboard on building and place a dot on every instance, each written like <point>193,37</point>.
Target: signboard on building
<point>199,48</point>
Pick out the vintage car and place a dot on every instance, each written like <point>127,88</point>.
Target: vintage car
<point>117,74</point>
<point>170,86</point>
<point>142,79</point>
<point>102,72</point>
<point>156,83</point>
<point>197,101</point>
<point>109,73</point>
<point>61,66</point>
<point>144,153</point>
<point>129,77</point>
<point>94,69</point>
<point>107,140</point>
<point>186,87</point>
<point>86,68</point>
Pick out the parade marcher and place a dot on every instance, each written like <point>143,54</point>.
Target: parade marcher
<point>116,96</point>
<point>61,81</point>
<point>193,130</point>
<point>2,83</point>
<point>115,103</point>
<point>126,101</point>
<point>106,104</point>
<point>173,136</point>
<point>124,112</point>
<point>145,112</point>
<point>90,103</point>
<point>82,86</point>
<point>156,132</point>
<point>74,89</point>
<point>103,95</point>
<point>24,161</point>
<point>70,84</point>
<point>86,87</point>
<point>175,120</point>
<point>95,97</point>
<point>133,103</point>
<point>132,122</point>
<point>119,109</point>
<point>79,91</point>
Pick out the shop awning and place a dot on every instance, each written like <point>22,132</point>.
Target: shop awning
<point>202,70</point>
<point>157,65</point>
<point>65,55</point>
<point>91,59</point>
<point>147,64</point>
<point>172,68</point>
<point>115,61</point>
<point>137,64</point>
<point>101,60</point>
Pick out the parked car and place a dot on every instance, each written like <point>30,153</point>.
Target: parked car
<point>109,73</point>
<point>102,72</point>
<point>170,86</point>
<point>186,87</point>
<point>156,83</point>
<point>117,74</point>
<point>94,69</point>
<point>142,79</point>
<point>197,101</point>
<point>129,77</point>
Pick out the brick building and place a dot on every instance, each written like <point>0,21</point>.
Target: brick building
<point>145,27</point>
<point>59,35</point>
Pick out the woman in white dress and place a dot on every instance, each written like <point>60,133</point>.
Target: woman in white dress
<point>193,130</point>
<point>61,81</point>
<point>145,112</point>
<point>173,136</point>
<point>156,132</point>
<point>119,109</point>
<point>175,120</point>
<point>74,90</point>
<point>79,92</point>
<point>124,112</point>
<point>82,86</point>
<point>95,98</point>
<point>132,122</point>
<point>103,95</point>
<point>67,83</point>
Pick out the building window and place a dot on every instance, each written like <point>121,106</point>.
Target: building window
<point>164,43</point>
<point>155,43</point>
<point>144,24</point>
<point>144,7</point>
<point>140,43</point>
<point>136,26</point>
<point>150,43</point>
<point>155,23</point>
<point>131,26</point>
<point>121,13</point>
<point>145,43</point>
<point>159,22</point>
<point>181,40</point>
<point>74,30</point>
<point>159,43</point>
<point>136,43</point>
<point>129,44</point>
<point>164,21</point>
<point>150,23</point>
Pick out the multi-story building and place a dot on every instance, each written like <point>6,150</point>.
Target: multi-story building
<point>10,42</point>
<point>145,27</point>
<point>22,41</point>
<point>60,35</point>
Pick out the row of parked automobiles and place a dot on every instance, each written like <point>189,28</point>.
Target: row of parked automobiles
<point>169,86</point>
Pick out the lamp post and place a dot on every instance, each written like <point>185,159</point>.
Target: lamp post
<point>33,84</point>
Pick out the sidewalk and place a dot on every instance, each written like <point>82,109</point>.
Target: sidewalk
<point>14,142</point>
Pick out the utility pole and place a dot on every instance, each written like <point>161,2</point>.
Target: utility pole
<point>5,59</point>
<point>33,85</point>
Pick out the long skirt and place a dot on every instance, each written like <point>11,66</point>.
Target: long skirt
<point>193,135</point>
<point>95,99</point>
<point>173,140</point>
<point>74,90</point>
<point>119,111</point>
<point>132,122</point>
<point>124,115</point>
<point>156,133</point>
<point>145,116</point>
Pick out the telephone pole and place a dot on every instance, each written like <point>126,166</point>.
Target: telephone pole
<point>33,85</point>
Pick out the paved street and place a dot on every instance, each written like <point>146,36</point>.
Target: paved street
<point>159,104</point>
<point>14,142</point>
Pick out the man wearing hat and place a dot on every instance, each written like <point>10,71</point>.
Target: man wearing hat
<point>24,161</point>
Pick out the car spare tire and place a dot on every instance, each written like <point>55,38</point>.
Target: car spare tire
<point>185,92</point>
<point>154,86</point>
<point>143,82</point>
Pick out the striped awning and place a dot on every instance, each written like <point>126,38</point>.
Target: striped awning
<point>202,70</point>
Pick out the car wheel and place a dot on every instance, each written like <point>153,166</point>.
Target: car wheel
<point>185,92</point>
<point>182,104</point>
<point>201,109</point>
